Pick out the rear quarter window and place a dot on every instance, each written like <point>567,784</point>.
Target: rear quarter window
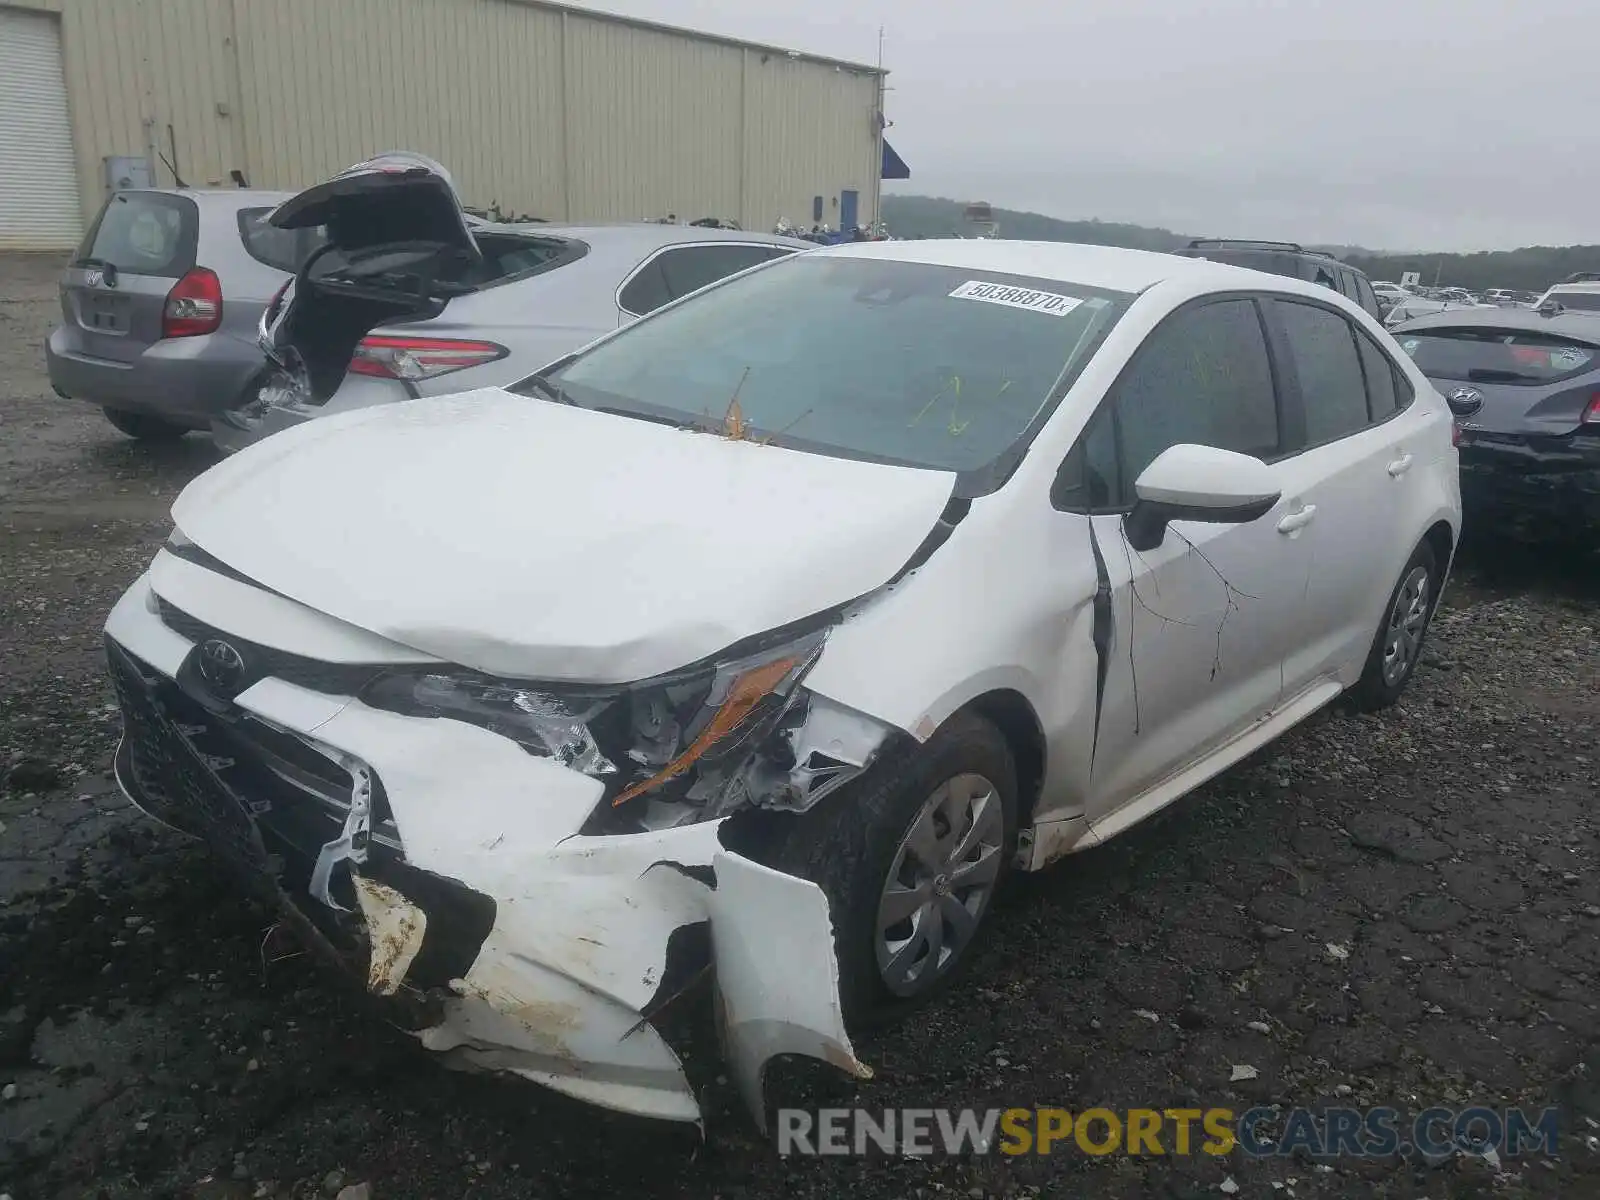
<point>143,233</point>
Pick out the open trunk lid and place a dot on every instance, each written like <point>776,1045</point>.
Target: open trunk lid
<point>398,246</point>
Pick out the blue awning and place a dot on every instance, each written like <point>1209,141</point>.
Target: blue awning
<point>894,167</point>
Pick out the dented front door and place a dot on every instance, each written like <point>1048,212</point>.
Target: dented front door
<point>1201,627</point>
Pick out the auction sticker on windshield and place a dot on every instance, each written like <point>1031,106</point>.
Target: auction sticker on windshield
<point>1016,297</point>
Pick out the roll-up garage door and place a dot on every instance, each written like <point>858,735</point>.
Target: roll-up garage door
<point>39,207</point>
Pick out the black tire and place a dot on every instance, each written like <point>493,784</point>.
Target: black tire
<point>144,427</point>
<point>1379,687</point>
<point>848,843</point>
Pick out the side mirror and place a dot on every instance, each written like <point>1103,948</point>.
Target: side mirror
<point>1198,483</point>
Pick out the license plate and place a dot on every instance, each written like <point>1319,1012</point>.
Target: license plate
<point>106,314</point>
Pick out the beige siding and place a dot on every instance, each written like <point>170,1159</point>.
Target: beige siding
<point>541,109</point>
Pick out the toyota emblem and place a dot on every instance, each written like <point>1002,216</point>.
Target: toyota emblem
<point>221,666</point>
<point>1464,401</point>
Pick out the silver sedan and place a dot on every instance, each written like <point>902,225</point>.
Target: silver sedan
<point>533,294</point>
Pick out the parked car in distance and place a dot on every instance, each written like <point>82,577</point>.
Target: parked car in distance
<point>1581,296</point>
<point>1390,294</point>
<point>1288,258</point>
<point>511,299</point>
<point>1418,306</point>
<point>1525,390</point>
<point>793,615</point>
<point>161,303</point>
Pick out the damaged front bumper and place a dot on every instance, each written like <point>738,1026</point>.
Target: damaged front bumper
<point>443,865</point>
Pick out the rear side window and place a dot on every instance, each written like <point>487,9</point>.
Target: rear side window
<point>283,249</point>
<point>1201,377</point>
<point>1323,347</point>
<point>694,267</point>
<point>143,233</point>
<point>1514,356</point>
<point>646,291</point>
<point>683,269</point>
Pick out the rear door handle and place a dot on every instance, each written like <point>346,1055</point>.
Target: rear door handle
<point>1400,465</point>
<point>1298,520</point>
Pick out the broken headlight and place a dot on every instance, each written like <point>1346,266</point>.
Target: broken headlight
<point>680,738</point>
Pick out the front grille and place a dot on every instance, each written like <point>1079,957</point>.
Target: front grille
<point>262,798</point>
<point>172,776</point>
<point>268,802</point>
<point>333,679</point>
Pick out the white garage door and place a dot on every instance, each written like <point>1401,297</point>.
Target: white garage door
<point>38,178</point>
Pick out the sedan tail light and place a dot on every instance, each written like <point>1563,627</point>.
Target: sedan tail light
<point>194,305</point>
<point>415,358</point>
<point>1591,414</point>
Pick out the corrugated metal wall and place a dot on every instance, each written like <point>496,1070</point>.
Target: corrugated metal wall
<point>535,108</point>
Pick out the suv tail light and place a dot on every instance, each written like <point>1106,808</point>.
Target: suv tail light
<point>194,305</point>
<point>414,358</point>
<point>1591,414</point>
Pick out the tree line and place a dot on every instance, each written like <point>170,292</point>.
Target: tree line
<point>1532,267</point>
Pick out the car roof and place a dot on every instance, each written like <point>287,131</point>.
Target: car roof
<point>642,235</point>
<point>1110,267</point>
<point>240,197</point>
<point>1584,326</point>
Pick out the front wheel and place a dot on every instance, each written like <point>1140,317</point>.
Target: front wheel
<point>910,862</point>
<point>1397,647</point>
<point>144,427</point>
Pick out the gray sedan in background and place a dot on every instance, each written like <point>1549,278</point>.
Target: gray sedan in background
<point>161,303</point>
<point>375,319</point>
<point>1524,387</point>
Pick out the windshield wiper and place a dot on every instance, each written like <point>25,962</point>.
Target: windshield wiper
<point>657,418</point>
<point>546,387</point>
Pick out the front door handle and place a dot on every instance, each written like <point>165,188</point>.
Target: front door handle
<point>1400,465</point>
<point>1297,520</point>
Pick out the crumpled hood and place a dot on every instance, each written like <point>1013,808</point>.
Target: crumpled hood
<point>526,538</point>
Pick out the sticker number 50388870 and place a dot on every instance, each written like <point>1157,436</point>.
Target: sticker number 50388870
<point>1016,297</point>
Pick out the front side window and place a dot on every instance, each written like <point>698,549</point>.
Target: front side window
<point>1478,354</point>
<point>1201,377</point>
<point>1323,347</point>
<point>941,367</point>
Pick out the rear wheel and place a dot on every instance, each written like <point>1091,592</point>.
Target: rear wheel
<point>145,427</point>
<point>910,863</point>
<point>1397,647</point>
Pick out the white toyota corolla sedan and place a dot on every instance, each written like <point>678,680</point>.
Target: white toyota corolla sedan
<point>759,640</point>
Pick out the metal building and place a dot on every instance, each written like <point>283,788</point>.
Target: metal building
<point>537,108</point>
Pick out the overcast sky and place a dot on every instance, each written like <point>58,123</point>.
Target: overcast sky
<point>1393,124</point>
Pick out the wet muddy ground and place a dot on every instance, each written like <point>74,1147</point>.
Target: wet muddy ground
<point>1397,910</point>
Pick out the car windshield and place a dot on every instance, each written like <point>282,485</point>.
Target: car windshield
<point>932,366</point>
<point>1483,355</point>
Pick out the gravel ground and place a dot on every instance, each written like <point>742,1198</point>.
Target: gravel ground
<point>160,1044</point>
